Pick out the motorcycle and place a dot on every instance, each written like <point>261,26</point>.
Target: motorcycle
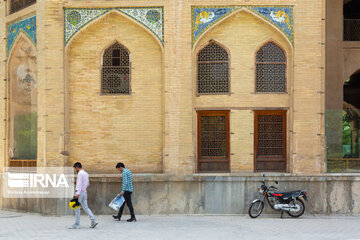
<point>290,202</point>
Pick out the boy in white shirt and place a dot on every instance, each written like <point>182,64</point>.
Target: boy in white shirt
<point>82,182</point>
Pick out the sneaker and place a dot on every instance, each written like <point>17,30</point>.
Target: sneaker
<point>74,227</point>
<point>93,224</point>
<point>116,218</point>
<point>131,220</point>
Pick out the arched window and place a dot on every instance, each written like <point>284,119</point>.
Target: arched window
<point>270,69</point>
<point>213,70</point>
<point>115,73</point>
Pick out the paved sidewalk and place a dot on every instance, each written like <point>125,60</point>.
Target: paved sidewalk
<point>33,226</point>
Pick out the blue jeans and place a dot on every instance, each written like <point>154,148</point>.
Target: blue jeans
<point>83,201</point>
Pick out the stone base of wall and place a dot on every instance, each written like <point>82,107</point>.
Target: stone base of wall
<point>206,194</point>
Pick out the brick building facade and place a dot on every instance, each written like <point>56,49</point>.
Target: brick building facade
<point>171,88</point>
<point>155,127</point>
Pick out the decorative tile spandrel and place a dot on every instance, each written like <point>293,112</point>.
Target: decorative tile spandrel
<point>203,18</point>
<point>27,26</point>
<point>151,18</point>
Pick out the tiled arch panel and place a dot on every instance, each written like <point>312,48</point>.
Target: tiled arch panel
<point>27,26</point>
<point>204,17</point>
<point>77,18</point>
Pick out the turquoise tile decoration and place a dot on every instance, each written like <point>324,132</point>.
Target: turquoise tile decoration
<point>150,17</point>
<point>27,26</point>
<point>204,17</point>
<point>281,17</point>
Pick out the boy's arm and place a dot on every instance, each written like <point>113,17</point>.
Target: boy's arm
<point>124,182</point>
<point>79,181</point>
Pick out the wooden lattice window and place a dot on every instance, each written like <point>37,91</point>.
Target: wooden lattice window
<point>213,70</point>
<point>17,5</point>
<point>270,69</point>
<point>115,73</point>
<point>213,141</point>
<point>270,140</point>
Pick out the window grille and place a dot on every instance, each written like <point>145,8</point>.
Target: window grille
<point>270,140</point>
<point>17,5</point>
<point>213,136</point>
<point>270,69</point>
<point>213,141</point>
<point>270,135</point>
<point>213,70</point>
<point>115,75</point>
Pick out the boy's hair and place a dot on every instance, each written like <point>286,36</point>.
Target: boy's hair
<point>119,165</point>
<point>77,165</point>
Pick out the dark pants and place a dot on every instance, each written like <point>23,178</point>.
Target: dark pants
<point>127,196</point>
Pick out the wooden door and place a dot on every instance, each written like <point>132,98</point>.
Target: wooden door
<point>213,141</point>
<point>270,141</point>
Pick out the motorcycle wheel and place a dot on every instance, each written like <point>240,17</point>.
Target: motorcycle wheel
<point>300,212</point>
<point>256,209</point>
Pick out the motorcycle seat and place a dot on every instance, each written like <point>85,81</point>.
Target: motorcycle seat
<point>290,194</point>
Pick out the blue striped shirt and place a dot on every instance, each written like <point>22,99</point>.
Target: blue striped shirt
<point>127,181</point>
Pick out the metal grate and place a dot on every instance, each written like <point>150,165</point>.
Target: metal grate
<point>115,75</point>
<point>17,5</point>
<point>213,136</point>
<point>22,163</point>
<point>270,69</point>
<point>351,29</point>
<point>213,70</point>
<point>270,135</point>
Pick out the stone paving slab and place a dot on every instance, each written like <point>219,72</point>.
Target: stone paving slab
<point>33,226</point>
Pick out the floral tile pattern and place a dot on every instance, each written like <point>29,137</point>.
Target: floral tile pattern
<point>151,17</point>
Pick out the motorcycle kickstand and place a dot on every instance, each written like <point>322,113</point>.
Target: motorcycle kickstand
<point>282,212</point>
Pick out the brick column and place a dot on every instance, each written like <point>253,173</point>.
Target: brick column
<point>50,83</point>
<point>178,152</point>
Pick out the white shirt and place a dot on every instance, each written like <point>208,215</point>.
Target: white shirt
<point>82,182</point>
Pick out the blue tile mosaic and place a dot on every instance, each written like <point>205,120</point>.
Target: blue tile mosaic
<point>27,26</point>
<point>77,18</point>
<point>205,17</point>
<point>281,17</point>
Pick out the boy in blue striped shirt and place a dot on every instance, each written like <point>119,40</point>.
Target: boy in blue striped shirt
<point>126,191</point>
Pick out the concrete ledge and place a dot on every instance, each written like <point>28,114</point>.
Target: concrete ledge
<point>162,194</point>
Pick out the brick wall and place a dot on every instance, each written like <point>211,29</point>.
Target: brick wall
<point>74,117</point>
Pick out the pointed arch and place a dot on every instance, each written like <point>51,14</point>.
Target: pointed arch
<point>100,17</point>
<point>271,40</point>
<point>213,69</point>
<point>243,9</point>
<point>214,42</point>
<point>271,64</point>
<point>22,104</point>
<point>115,70</point>
<point>20,35</point>
<point>109,45</point>
<point>82,80</point>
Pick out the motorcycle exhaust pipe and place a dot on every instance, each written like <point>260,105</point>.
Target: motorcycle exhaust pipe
<point>287,207</point>
<point>292,209</point>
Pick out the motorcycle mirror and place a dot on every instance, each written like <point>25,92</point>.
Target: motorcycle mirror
<point>276,182</point>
